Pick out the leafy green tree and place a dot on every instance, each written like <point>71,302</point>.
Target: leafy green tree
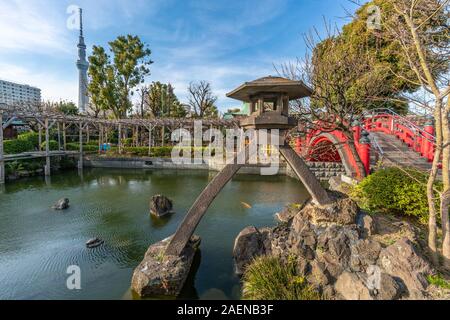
<point>161,102</point>
<point>68,108</point>
<point>113,81</point>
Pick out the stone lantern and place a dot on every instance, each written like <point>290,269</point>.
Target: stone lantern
<point>269,109</point>
<point>268,99</point>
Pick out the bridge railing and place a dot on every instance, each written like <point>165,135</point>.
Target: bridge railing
<point>418,139</point>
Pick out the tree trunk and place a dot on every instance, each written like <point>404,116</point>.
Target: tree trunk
<point>358,161</point>
<point>432,227</point>
<point>445,197</point>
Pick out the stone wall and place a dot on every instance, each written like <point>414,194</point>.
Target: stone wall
<point>322,170</point>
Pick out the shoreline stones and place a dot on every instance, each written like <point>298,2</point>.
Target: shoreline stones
<point>94,243</point>
<point>160,206</point>
<point>249,244</point>
<point>163,275</point>
<point>61,204</point>
<point>337,250</point>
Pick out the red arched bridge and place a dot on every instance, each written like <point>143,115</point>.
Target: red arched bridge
<point>382,135</point>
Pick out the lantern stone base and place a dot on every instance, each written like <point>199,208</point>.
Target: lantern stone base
<point>164,275</point>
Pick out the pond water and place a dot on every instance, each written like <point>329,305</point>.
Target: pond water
<point>37,244</point>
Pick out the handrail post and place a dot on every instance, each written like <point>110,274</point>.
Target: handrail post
<point>429,146</point>
<point>364,149</point>
<point>2,162</point>
<point>47,148</point>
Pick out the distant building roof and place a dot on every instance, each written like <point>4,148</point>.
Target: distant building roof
<point>243,111</point>
<point>294,89</point>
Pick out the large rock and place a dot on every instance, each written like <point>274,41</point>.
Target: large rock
<point>248,245</point>
<point>403,260</point>
<point>333,248</point>
<point>288,212</point>
<point>352,286</point>
<point>318,275</point>
<point>364,254</point>
<point>367,286</point>
<point>61,204</point>
<point>343,211</point>
<point>159,274</point>
<point>160,205</point>
<point>388,289</point>
<point>366,224</point>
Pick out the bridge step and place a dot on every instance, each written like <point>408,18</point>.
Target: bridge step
<point>396,153</point>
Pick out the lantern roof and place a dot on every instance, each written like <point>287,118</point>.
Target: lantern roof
<point>274,85</point>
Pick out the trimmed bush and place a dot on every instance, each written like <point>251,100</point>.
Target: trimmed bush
<point>32,137</point>
<point>268,278</point>
<point>394,190</point>
<point>52,144</point>
<point>74,146</point>
<point>92,143</point>
<point>17,146</point>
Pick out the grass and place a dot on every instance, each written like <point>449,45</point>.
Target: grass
<point>268,278</point>
<point>438,281</point>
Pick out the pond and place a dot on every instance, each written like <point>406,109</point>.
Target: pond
<point>38,244</point>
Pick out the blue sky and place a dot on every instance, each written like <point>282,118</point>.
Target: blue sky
<point>223,42</point>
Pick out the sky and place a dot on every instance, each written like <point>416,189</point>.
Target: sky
<point>225,42</point>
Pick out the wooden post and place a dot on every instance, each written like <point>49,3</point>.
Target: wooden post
<point>59,137</point>
<point>2,162</point>
<point>100,138</point>
<point>88,136</point>
<point>120,138</point>
<point>163,133</point>
<point>149,140</point>
<point>137,137</point>
<point>47,148</point>
<point>40,136</point>
<point>80,161</point>
<point>315,189</point>
<point>64,136</point>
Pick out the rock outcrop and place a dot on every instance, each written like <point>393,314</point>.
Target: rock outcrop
<point>163,275</point>
<point>337,251</point>
<point>248,245</point>
<point>402,260</point>
<point>61,204</point>
<point>94,243</point>
<point>160,205</point>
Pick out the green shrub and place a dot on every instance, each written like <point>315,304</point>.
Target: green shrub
<point>438,281</point>
<point>67,163</point>
<point>92,143</point>
<point>17,146</point>
<point>128,142</point>
<point>52,144</point>
<point>399,191</point>
<point>74,146</point>
<point>268,278</point>
<point>33,164</point>
<point>32,137</point>
<point>14,167</point>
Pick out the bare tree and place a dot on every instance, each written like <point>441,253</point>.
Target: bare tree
<point>421,28</point>
<point>202,100</point>
<point>343,81</point>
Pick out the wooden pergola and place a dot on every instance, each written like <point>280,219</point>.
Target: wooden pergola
<point>46,120</point>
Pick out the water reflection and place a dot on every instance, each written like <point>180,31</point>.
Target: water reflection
<point>37,244</point>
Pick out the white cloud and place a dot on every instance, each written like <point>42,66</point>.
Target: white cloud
<point>223,78</point>
<point>26,26</point>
